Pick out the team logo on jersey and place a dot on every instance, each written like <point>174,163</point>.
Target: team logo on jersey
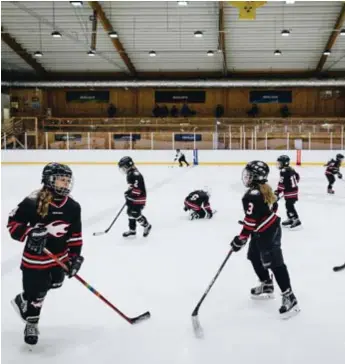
<point>57,228</point>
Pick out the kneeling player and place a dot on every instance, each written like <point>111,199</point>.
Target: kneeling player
<point>197,203</point>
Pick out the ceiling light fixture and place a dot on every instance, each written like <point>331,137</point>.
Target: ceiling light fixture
<point>113,34</point>
<point>285,32</point>
<point>277,52</point>
<point>38,54</point>
<point>77,4</point>
<point>210,53</point>
<point>182,3</point>
<point>327,52</point>
<point>56,34</point>
<point>152,54</point>
<point>198,34</point>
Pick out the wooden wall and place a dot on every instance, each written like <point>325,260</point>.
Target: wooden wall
<point>139,102</point>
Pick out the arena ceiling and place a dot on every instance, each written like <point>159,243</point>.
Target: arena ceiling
<point>226,43</point>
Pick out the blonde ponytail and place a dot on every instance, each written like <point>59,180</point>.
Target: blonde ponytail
<point>44,198</point>
<point>267,192</point>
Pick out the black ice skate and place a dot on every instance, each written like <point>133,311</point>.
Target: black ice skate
<point>295,223</point>
<point>287,222</point>
<point>264,291</point>
<point>289,305</point>
<point>20,305</point>
<point>128,233</point>
<point>330,191</point>
<point>147,230</point>
<point>31,333</point>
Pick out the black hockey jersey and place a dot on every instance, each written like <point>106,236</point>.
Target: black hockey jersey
<point>179,155</point>
<point>196,200</point>
<point>136,192</point>
<point>259,215</point>
<point>63,223</point>
<point>288,183</point>
<point>333,166</point>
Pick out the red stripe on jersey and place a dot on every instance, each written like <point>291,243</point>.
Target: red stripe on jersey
<point>76,234</point>
<point>192,205</point>
<point>76,243</point>
<point>42,257</point>
<point>269,223</point>
<point>43,266</point>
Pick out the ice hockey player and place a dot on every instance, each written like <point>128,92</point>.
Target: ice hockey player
<point>262,226</point>
<point>198,204</point>
<point>333,169</point>
<point>48,218</point>
<point>135,197</point>
<point>288,187</point>
<point>180,157</point>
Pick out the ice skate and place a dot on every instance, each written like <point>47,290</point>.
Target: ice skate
<point>128,233</point>
<point>289,307</point>
<point>287,222</point>
<point>295,224</point>
<point>264,291</point>
<point>330,191</point>
<point>147,230</point>
<point>31,333</point>
<point>20,306</point>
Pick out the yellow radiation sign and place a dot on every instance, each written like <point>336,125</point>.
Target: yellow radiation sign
<point>247,9</point>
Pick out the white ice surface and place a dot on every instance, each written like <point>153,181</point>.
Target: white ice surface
<point>168,272</point>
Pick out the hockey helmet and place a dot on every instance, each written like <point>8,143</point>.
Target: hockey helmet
<point>125,164</point>
<point>255,172</point>
<point>58,178</point>
<point>340,157</point>
<point>283,161</point>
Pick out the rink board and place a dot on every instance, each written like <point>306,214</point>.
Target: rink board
<point>160,157</point>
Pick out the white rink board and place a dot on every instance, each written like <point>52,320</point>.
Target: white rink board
<point>160,157</point>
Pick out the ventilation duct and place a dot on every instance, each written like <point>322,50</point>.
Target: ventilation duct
<point>171,84</point>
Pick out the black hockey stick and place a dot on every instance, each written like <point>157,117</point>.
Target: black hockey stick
<point>132,320</point>
<point>111,225</point>
<point>339,268</point>
<point>195,320</point>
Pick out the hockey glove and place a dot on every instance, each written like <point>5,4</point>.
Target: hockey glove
<point>237,243</point>
<point>185,208</point>
<point>37,238</point>
<point>340,176</point>
<point>74,265</point>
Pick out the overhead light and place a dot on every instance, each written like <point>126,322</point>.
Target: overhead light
<point>198,34</point>
<point>285,32</point>
<point>56,34</point>
<point>327,52</point>
<point>91,53</point>
<point>277,52</point>
<point>210,53</point>
<point>342,32</point>
<point>113,34</point>
<point>182,3</point>
<point>152,54</point>
<point>290,1</point>
<point>77,4</point>
<point>38,54</point>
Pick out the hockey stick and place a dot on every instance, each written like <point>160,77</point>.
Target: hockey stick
<point>131,320</point>
<point>339,268</point>
<point>195,320</point>
<point>111,225</point>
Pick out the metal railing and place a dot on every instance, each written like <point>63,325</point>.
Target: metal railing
<point>240,138</point>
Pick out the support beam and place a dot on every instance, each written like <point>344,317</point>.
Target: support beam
<point>94,31</point>
<point>333,37</point>
<point>95,5</point>
<point>21,52</point>
<point>221,36</point>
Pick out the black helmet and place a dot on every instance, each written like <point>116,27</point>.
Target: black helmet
<point>255,172</point>
<point>125,164</point>
<point>339,157</point>
<point>52,172</point>
<point>283,161</point>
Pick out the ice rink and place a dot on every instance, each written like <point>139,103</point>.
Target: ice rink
<point>168,272</point>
